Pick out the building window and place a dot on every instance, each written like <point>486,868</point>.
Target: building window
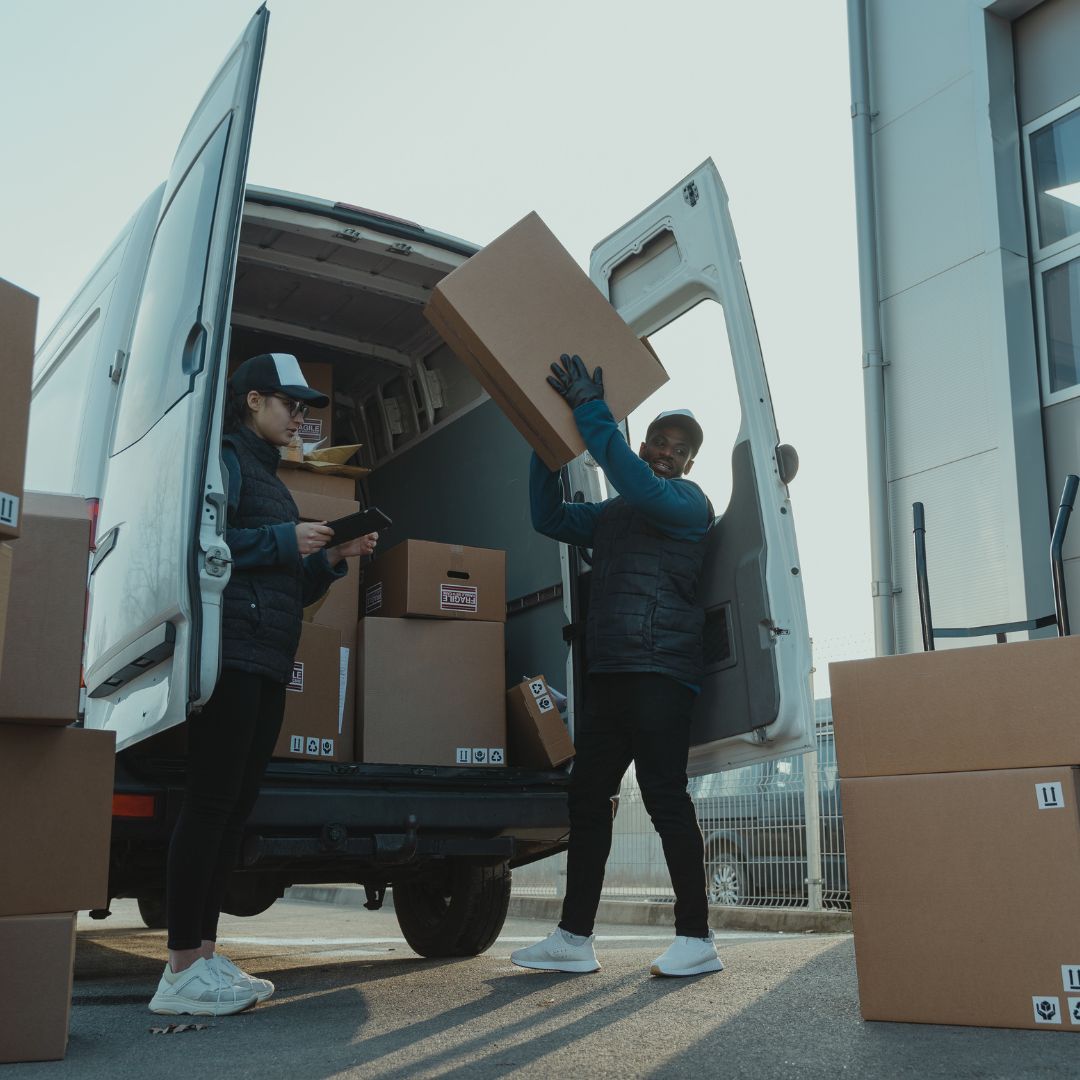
<point>1052,172</point>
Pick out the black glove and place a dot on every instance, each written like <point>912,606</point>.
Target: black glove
<point>572,380</point>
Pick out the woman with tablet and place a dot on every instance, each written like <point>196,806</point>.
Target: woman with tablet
<point>279,567</point>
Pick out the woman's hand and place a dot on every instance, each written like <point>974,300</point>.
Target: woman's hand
<point>362,545</point>
<point>312,536</point>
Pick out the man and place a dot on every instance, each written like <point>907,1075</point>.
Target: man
<point>643,654</point>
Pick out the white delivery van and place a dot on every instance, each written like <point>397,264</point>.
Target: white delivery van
<point>127,412</point>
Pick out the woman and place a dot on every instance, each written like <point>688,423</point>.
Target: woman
<point>279,567</point>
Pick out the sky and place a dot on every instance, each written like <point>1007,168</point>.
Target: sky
<point>465,116</point>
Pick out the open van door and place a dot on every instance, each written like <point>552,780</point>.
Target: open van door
<point>160,565</point>
<point>755,699</point>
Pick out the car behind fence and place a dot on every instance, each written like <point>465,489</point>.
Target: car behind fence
<point>753,821</point>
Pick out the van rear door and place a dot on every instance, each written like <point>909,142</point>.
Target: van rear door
<point>152,643</point>
<point>755,700</point>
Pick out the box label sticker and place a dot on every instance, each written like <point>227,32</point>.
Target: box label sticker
<point>313,746</point>
<point>296,744</point>
<point>1074,1011</point>
<point>458,598</point>
<point>1050,796</point>
<point>1047,1010</point>
<point>480,755</point>
<point>311,430</point>
<point>327,748</point>
<point>537,688</point>
<point>296,682</point>
<point>373,598</point>
<point>9,509</point>
<point>545,704</point>
<point>1070,978</point>
<point>496,756</point>
<point>463,755</point>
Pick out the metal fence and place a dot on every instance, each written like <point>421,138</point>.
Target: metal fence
<point>766,842</point>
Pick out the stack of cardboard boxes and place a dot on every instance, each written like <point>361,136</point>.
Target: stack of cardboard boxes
<point>56,781</point>
<point>431,656</point>
<point>962,824</point>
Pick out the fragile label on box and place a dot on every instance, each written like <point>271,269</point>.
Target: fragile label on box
<point>9,509</point>
<point>1047,1010</point>
<point>296,682</point>
<point>458,598</point>
<point>373,598</point>
<point>311,431</point>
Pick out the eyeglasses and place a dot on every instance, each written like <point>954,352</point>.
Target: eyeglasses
<point>296,408</point>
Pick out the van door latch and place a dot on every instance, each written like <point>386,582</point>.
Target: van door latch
<point>117,368</point>
<point>217,562</point>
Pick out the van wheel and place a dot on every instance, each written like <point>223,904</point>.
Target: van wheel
<point>152,911</point>
<point>458,912</point>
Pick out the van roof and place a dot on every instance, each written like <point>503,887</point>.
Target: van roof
<point>386,223</point>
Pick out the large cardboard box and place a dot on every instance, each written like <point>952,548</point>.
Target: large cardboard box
<point>441,581</point>
<point>315,726</point>
<point>536,735</point>
<point>431,692</point>
<point>18,324</point>
<point>7,555</point>
<point>959,710</point>
<point>317,483</point>
<point>56,788</point>
<point>339,608</point>
<point>964,890</point>
<point>35,995</point>
<point>41,666</point>
<point>513,309</point>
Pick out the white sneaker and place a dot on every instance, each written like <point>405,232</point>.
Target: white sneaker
<point>262,988</point>
<point>688,956</point>
<point>558,952</point>
<point>199,990</point>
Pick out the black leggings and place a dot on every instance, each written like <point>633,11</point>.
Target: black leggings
<point>229,747</point>
<point>644,718</point>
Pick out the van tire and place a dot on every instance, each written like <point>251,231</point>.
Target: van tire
<point>249,894</point>
<point>458,912</point>
<point>152,911</point>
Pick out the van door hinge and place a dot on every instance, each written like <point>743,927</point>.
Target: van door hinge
<point>217,562</point>
<point>117,368</point>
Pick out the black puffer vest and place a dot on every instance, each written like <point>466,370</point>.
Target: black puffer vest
<point>263,608</point>
<point>644,613</point>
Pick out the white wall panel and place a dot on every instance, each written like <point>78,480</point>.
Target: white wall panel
<point>942,352</point>
<point>918,47</point>
<point>929,189</point>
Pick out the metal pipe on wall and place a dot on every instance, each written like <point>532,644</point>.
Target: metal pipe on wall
<point>872,359</point>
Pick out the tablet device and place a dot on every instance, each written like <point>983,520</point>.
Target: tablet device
<point>353,525</point>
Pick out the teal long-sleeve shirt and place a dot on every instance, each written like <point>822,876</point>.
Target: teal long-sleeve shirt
<point>275,545</point>
<point>678,508</point>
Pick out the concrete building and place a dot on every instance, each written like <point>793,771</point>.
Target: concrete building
<point>967,136</point>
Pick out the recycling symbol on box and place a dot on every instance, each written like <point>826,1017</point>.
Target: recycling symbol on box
<point>313,746</point>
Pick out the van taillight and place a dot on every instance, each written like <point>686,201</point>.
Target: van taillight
<point>134,806</point>
<point>92,506</point>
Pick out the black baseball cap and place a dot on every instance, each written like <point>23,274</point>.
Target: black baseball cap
<point>276,373</point>
<point>681,418</point>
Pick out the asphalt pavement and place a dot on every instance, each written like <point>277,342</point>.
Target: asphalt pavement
<point>354,1001</point>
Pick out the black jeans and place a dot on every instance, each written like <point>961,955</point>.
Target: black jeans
<point>229,747</point>
<point>644,718</point>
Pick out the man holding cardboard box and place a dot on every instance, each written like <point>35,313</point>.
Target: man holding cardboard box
<point>643,650</point>
<point>279,565</point>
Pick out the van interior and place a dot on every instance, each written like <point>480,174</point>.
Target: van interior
<point>445,463</point>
